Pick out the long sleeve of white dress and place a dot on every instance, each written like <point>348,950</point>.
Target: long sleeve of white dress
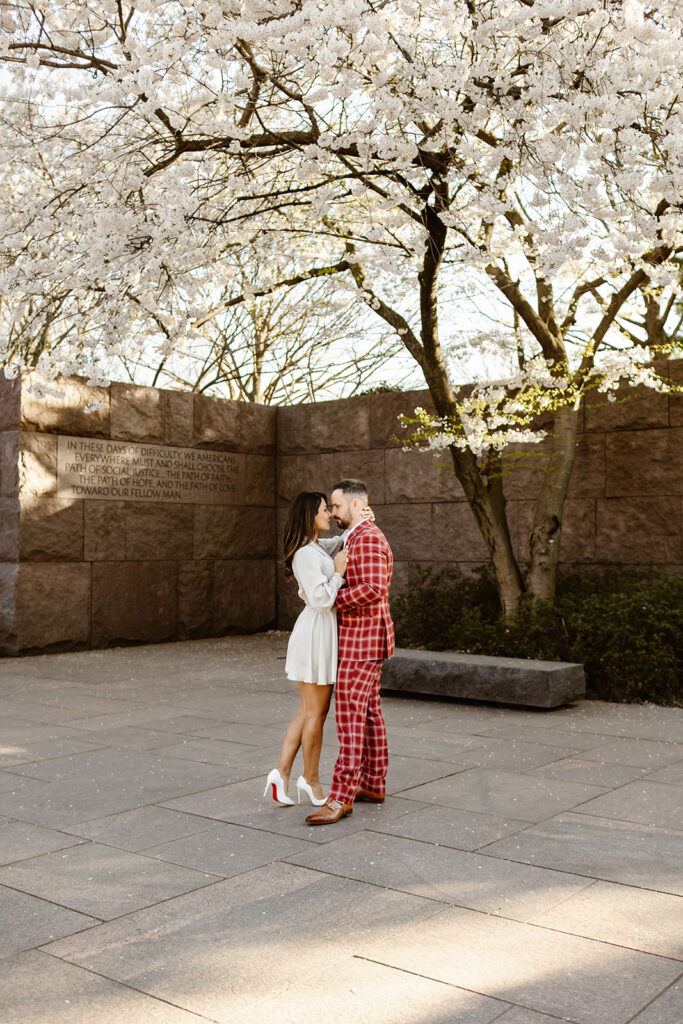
<point>331,544</point>
<point>317,590</point>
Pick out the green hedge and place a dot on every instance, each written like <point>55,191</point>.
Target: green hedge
<point>626,628</point>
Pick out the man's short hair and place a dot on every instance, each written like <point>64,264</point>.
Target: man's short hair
<point>353,488</point>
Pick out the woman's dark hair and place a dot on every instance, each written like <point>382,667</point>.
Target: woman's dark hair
<point>300,525</point>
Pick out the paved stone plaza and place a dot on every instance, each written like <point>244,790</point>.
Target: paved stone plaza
<point>527,867</point>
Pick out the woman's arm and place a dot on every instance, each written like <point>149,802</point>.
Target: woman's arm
<point>321,592</point>
<point>331,544</point>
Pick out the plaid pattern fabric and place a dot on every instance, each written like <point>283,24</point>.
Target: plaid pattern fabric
<point>366,632</point>
<point>363,757</point>
<point>366,638</point>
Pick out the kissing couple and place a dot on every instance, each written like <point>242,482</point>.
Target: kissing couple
<point>342,636</point>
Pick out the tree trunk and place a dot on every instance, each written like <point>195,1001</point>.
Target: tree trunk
<point>484,493</point>
<point>549,510</point>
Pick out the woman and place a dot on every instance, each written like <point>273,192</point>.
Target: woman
<point>318,566</point>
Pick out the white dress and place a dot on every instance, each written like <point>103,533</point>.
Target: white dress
<point>312,649</point>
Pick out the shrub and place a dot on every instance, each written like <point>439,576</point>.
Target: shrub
<point>626,628</point>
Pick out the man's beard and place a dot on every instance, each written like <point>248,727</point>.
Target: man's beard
<point>342,522</point>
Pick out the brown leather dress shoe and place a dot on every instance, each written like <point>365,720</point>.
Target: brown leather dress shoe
<point>331,811</point>
<point>369,796</point>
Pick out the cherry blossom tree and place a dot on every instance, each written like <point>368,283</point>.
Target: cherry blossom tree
<point>290,346</point>
<point>405,145</point>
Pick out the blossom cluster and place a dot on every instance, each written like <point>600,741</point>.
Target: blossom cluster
<point>144,146</point>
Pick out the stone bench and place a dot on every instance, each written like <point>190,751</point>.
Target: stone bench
<point>538,684</point>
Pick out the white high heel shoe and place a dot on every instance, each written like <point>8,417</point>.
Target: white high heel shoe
<point>303,787</point>
<point>277,783</point>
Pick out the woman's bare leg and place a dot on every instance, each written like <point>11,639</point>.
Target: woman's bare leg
<point>292,742</point>
<point>316,702</point>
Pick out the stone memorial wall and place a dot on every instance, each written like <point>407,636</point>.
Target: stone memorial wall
<point>157,515</point>
<point>152,518</point>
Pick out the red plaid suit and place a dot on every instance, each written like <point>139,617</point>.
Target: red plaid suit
<point>366,638</point>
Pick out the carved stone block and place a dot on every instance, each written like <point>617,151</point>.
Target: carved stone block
<point>9,529</point>
<point>260,478</point>
<point>325,427</point>
<point>639,530</point>
<point>195,589</point>
<point>66,413</point>
<point>133,602</point>
<point>367,466</point>
<point>216,423</point>
<point>303,473</point>
<point>158,530</point>
<point>455,534</point>
<point>10,402</point>
<point>104,528</point>
<point>137,413</point>
<point>289,604</point>
<point>539,684</point>
<point>43,606</point>
<point>51,529</point>
<point>29,463</point>
<point>243,595</point>
<point>634,409</point>
<point>258,428</point>
<point>229,532</point>
<point>408,528</point>
<point>644,462</point>
<point>420,476</point>
<point>386,407</point>
<point>178,408</point>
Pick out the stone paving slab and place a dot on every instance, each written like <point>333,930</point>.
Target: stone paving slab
<point>530,798</point>
<point>242,803</point>
<point>616,851</point>
<point>673,774</point>
<point>589,982</point>
<point>100,881</point>
<point>339,996</point>
<point>19,753</point>
<point>136,774</point>
<point>650,803</point>
<point>29,921</point>
<point>450,826</point>
<point>650,754</point>
<point>519,1015</point>
<point>451,876</point>
<point>40,989</point>
<point>594,773</point>
<point>20,840</point>
<point>666,1009</point>
<point>637,918</point>
<point>406,743</point>
<point>215,951</point>
<point>511,754</point>
<point>143,827</point>
<point>227,849</point>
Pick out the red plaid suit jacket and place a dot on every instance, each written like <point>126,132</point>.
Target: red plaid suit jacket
<point>366,632</point>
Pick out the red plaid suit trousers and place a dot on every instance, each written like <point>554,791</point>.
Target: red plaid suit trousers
<point>363,758</point>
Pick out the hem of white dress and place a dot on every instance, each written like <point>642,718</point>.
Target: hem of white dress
<point>296,679</point>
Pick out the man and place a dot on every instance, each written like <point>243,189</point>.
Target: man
<point>366,638</point>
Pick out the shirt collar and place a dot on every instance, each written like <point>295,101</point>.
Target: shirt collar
<point>347,533</point>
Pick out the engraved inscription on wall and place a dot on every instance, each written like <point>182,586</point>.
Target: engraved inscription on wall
<point>116,470</point>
